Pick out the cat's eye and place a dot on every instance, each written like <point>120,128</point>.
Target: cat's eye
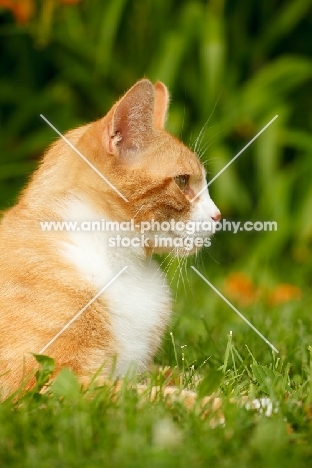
<point>182,181</point>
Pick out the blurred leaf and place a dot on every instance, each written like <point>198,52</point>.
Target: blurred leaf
<point>281,24</point>
<point>274,80</point>
<point>175,45</point>
<point>66,384</point>
<point>210,383</point>
<point>268,154</point>
<point>108,31</point>
<point>228,189</point>
<point>212,55</point>
<point>45,371</point>
<point>267,378</point>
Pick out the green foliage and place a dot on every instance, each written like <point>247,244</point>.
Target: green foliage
<point>66,385</point>
<point>231,66</point>
<point>45,372</point>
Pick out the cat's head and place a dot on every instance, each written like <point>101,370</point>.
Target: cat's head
<point>162,180</point>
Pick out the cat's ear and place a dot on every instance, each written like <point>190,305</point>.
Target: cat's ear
<point>161,104</point>
<point>130,126</point>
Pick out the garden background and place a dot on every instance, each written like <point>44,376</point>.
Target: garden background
<point>231,66</point>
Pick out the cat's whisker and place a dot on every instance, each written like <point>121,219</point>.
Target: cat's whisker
<point>200,260</point>
<point>199,143</point>
<point>186,273</point>
<point>174,274</point>
<point>194,146</point>
<point>186,278</point>
<point>140,209</point>
<point>201,152</point>
<point>179,258</point>
<point>210,160</point>
<point>212,258</point>
<point>167,269</point>
<point>181,264</point>
<point>164,260</point>
<point>167,256</point>
<point>171,261</point>
<point>179,275</point>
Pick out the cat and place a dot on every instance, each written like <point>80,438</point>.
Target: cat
<point>47,277</point>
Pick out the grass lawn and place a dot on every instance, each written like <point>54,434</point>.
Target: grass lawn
<point>208,348</point>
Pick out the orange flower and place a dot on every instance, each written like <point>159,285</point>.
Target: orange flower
<point>21,9</point>
<point>284,293</point>
<point>240,287</point>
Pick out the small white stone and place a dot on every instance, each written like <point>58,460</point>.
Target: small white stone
<point>166,433</point>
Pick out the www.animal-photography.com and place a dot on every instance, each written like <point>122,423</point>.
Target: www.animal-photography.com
<point>155,233</point>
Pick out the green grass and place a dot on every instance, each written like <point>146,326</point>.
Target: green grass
<point>67,426</point>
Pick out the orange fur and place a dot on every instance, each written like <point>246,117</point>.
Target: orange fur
<point>40,289</point>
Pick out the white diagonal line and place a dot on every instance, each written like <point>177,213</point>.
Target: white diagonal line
<point>233,159</point>
<point>235,310</point>
<point>83,309</point>
<point>83,157</point>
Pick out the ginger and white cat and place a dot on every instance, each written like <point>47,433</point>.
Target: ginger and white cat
<point>47,277</point>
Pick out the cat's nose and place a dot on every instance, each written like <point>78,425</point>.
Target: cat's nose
<point>216,216</point>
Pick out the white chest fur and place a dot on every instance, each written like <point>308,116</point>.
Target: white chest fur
<point>138,300</point>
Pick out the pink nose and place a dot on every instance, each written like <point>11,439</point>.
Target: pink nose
<point>217,216</point>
